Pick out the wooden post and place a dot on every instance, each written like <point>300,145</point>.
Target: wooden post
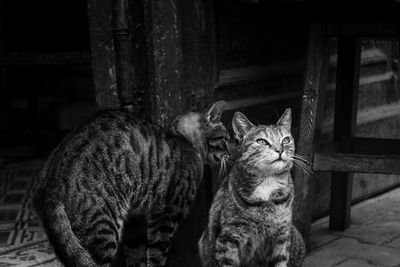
<point>346,99</point>
<point>3,73</point>
<point>122,42</point>
<point>311,113</point>
<point>103,56</point>
<point>139,65</point>
<point>182,76</point>
<point>164,52</point>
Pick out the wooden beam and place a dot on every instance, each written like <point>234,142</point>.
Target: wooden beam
<point>60,58</point>
<point>342,162</point>
<point>311,115</point>
<point>375,146</point>
<point>345,121</point>
<point>375,29</point>
<point>230,77</point>
<point>368,57</point>
<point>260,100</point>
<point>369,115</point>
<point>103,55</point>
<point>365,145</point>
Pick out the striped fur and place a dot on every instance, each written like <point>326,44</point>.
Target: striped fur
<point>115,166</point>
<point>250,221</point>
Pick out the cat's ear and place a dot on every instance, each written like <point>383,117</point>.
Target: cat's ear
<point>214,113</point>
<point>241,125</point>
<point>286,120</point>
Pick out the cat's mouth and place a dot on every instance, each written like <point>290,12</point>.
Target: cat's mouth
<point>217,150</point>
<point>220,156</point>
<point>280,164</point>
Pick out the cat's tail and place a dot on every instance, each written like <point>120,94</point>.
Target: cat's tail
<point>58,229</point>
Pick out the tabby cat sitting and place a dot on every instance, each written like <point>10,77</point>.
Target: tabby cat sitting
<point>116,165</point>
<point>250,221</point>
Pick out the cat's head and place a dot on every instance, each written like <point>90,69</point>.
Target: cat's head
<point>206,131</point>
<point>265,148</point>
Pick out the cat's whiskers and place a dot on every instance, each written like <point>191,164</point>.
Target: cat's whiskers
<point>300,167</point>
<point>222,168</point>
<point>303,166</point>
<point>301,158</point>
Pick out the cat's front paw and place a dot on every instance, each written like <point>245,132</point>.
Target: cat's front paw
<point>224,261</point>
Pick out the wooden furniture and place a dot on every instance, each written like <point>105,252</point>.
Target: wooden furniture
<point>347,153</point>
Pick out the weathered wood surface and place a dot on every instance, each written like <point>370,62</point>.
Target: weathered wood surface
<point>139,67</point>
<point>103,55</point>
<point>261,100</point>
<point>121,24</point>
<point>164,57</point>
<point>362,163</point>
<point>311,112</point>
<point>229,77</point>
<point>345,121</point>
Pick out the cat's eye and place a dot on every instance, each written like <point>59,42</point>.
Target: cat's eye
<point>286,140</point>
<point>262,142</point>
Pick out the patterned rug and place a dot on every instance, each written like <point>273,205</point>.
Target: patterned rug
<point>22,239</point>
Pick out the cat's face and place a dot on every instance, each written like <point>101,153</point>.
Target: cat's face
<point>265,148</point>
<point>206,131</point>
<point>214,133</point>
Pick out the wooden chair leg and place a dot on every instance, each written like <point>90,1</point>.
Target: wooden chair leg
<point>311,111</point>
<point>346,99</point>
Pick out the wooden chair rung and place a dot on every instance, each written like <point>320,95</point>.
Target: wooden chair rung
<point>385,29</point>
<point>361,163</point>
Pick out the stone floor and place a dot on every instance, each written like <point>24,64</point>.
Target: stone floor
<point>372,240</point>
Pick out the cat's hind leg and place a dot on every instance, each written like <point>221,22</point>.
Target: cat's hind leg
<point>134,239</point>
<point>101,236</point>
<point>161,227</point>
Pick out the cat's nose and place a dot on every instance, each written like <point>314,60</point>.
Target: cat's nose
<point>279,151</point>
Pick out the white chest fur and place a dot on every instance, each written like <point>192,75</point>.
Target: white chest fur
<point>264,190</point>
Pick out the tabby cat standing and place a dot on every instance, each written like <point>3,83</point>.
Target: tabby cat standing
<point>115,165</point>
